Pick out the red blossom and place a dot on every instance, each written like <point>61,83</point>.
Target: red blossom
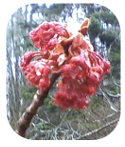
<point>28,56</point>
<point>81,69</point>
<point>72,99</point>
<point>46,36</point>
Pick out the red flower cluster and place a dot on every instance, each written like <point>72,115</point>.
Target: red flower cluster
<point>47,35</point>
<point>81,68</point>
<point>38,65</point>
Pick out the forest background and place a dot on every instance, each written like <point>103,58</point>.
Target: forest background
<point>103,114</point>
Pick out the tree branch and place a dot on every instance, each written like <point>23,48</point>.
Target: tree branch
<point>99,129</point>
<point>31,111</point>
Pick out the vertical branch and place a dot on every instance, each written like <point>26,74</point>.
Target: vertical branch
<point>31,111</point>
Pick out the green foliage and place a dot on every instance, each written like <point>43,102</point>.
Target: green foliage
<point>56,8</point>
<point>107,37</point>
<point>95,27</point>
<point>27,92</point>
<point>52,12</point>
<point>109,18</point>
<point>49,105</point>
<point>106,16</point>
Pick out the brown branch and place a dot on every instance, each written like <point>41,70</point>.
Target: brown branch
<point>31,111</point>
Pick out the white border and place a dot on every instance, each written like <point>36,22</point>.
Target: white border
<point>7,135</point>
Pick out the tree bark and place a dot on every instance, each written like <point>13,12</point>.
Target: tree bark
<point>31,111</point>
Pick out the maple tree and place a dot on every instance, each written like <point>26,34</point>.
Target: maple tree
<point>81,69</point>
<point>63,54</point>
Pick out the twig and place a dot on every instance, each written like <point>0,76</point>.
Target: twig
<point>99,129</point>
<point>31,111</point>
<point>114,82</point>
<point>112,106</point>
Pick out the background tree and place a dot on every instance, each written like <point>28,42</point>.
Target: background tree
<point>51,123</point>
